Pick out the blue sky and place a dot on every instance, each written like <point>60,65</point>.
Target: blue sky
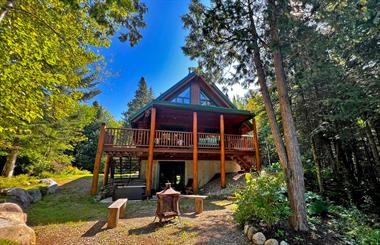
<point>158,57</point>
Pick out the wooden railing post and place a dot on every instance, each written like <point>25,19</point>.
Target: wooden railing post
<point>222,155</point>
<point>195,152</point>
<point>150,152</point>
<point>256,146</point>
<point>98,159</point>
<point>106,170</point>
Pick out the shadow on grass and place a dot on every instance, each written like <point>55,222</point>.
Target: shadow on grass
<point>150,228</point>
<point>96,228</point>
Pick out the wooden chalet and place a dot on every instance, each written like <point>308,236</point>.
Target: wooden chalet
<point>189,134</point>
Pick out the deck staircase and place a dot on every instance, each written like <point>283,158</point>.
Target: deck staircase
<point>245,161</point>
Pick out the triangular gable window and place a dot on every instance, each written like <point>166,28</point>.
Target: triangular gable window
<point>205,100</point>
<point>184,97</point>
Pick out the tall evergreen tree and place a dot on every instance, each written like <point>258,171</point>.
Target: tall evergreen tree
<point>231,37</point>
<point>143,96</point>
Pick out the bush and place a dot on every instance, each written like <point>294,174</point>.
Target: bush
<point>264,199</point>
<point>22,180</point>
<point>315,204</point>
<point>353,224</point>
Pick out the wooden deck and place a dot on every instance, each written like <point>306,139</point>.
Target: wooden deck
<point>135,140</point>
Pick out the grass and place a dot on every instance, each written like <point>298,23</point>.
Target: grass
<point>27,182</point>
<point>71,204</point>
<point>21,181</point>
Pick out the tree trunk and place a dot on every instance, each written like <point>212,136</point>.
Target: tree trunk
<point>298,219</point>
<point>317,165</point>
<point>276,133</point>
<point>372,144</point>
<point>4,9</point>
<point>10,162</point>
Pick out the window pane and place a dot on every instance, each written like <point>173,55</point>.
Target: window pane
<point>183,97</point>
<point>205,100</point>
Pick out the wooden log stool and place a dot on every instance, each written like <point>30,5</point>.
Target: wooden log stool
<point>198,202</point>
<point>115,211</point>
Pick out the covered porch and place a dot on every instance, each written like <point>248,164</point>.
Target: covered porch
<point>171,131</point>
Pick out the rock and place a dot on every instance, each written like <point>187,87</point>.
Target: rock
<point>35,194</point>
<point>258,238</point>
<point>51,188</point>
<point>17,232</point>
<point>246,229</point>
<point>13,227</point>
<point>13,212</point>
<point>284,243</point>
<point>17,195</point>
<point>271,242</point>
<point>250,232</point>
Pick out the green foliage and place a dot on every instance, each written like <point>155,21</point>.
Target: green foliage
<point>7,242</point>
<point>143,96</point>
<point>263,198</point>
<point>84,151</point>
<point>316,206</point>
<point>22,180</point>
<point>49,64</point>
<point>353,224</point>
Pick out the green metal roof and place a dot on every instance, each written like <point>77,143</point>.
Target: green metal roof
<point>159,101</point>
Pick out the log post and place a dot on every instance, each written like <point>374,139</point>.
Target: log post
<point>150,152</point>
<point>222,154</point>
<point>106,170</point>
<point>195,152</point>
<point>98,159</point>
<point>256,146</point>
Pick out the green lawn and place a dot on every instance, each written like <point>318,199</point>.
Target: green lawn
<point>70,204</point>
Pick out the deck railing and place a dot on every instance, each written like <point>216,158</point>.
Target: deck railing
<point>165,138</point>
<point>131,137</point>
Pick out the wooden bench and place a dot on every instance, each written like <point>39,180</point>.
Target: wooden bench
<point>115,211</point>
<point>198,202</point>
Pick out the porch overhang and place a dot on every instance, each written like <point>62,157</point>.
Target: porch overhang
<point>170,113</point>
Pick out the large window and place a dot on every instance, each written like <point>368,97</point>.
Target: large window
<point>184,97</point>
<point>205,100</point>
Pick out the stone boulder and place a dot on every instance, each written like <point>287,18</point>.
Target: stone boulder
<point>284,243</point>
<point>17,232</point>
<point>17,195</point>
<point>13,227</point>
<point>250,232</point>
<point>246,229</point>
<point>258,238</point>
<point>12,211</point>
<point>271,242</point>
<point>51,188</point>
<point>35,194</point>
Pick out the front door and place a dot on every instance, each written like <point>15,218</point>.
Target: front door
<point>174,172</point>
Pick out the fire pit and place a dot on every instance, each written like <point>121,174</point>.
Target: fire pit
<point>167,203</point>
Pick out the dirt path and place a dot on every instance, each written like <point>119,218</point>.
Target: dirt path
<point>78,220</point>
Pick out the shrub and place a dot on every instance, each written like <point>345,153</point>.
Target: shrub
<point>22,180</point>
<point>315,204</point>
<point>264,198</point>
<point>353,224</point>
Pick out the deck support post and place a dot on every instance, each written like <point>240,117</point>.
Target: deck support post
<point>222,154</point>
<point>150,152</point>
<point>98,159</point>
<point>256,146</point>
<point>195,152</point>
<point>106,170</point>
